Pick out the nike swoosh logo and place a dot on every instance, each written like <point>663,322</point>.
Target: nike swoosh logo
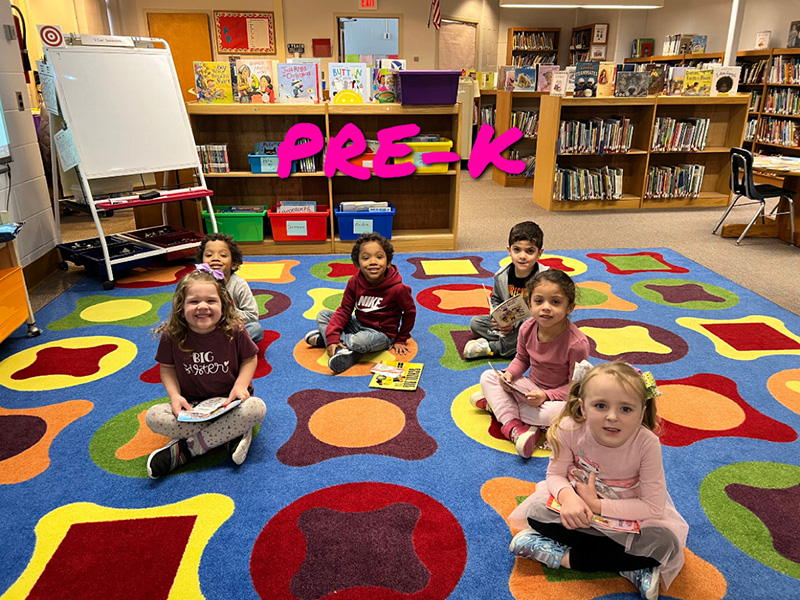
<point>369,309</point>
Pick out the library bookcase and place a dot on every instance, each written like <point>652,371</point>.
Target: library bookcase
<point>532,45</point>
<point>426,204</point>
<point>582,40</point>
<point>727,115</point>
<point>507,104</point>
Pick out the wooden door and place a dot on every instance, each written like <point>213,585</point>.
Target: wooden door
<point>189,39</point>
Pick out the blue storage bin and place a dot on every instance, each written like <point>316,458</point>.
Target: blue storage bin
<point>265,158</point>
<point>353,224</point>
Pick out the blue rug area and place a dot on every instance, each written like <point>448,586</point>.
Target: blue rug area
<point>352,492</point>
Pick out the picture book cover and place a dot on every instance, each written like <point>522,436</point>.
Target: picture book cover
<point>699,44</point>
<point>298,82</point>
<point>560,83</point>
<point>512,310</point>
<point>631,84</point>
<point>657,79</point>
<point>725,80</point>
<point>255,82</point>
<point>570,78</point>
<point>212,82</point>
<point>352,79</point>
<point>606,79</point>
<point>383,85</point>
<point>586,74</point>
<point>525,79</point>
<point>505,78</point>
<point>762,40</point>
<point>398,64</point>
<point>697,82</point>
<point>794,35</point>
<point>207,410</point>
<point>546,77</point>
<point>601,522</point>
<point>393,375</point>
<point>675,81</point>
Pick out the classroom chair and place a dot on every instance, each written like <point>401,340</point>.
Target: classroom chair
<point>742,185</point>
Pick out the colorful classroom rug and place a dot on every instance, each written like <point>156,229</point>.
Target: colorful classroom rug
<point>356,493</point>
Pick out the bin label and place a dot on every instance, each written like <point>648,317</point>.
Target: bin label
<point>297,228</point>
<point>362,226</point>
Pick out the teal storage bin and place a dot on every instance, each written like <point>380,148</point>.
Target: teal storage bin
<point>242,223</point>
<point>353,224</point>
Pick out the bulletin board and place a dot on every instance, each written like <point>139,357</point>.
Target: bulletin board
<point>244,32</point>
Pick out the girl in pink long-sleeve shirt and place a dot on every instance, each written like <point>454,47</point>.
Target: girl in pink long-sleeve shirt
<point>606,461</point>
<point>550,345</point>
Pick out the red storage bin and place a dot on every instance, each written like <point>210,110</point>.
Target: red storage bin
<point>300,226</point>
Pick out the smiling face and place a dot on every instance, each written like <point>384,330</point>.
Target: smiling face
<point>524,255</point>
<point>373,262</point>
<point>550,306</point>
<point>218,256</point>
<point>202,307</point>
<point>612,412</point>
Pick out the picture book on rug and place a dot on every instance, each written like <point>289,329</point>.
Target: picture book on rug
<point>394,375</point>
<point>348,76</point>
<point>298,82</point>
<point>206,410</point>
<point>600,521</point>
<point>212,82</point>
<point>255,82</point>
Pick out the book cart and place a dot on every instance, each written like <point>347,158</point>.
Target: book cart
<point>532,45</point>
<point>122,114</point>
<point>727,115</point>
<point>426,203</point>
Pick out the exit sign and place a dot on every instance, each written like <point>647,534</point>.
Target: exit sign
<point>368,4</point>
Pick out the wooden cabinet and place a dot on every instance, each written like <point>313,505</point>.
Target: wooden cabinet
<point>532,45</point>
<point>727,117</point>
<point>517,109</point>
<point>589,42</point>
<point>426,204</point>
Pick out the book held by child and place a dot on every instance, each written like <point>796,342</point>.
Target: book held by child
<point>600,521</point>
<point>207,410</point>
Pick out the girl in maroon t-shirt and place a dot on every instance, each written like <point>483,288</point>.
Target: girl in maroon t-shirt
<point>204,352</point>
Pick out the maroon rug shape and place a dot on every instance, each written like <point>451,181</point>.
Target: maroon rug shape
<point>437,538</point>
<point>75,362</point>
<point>687,292</point>
<point>476,261</point>
<point>275,305</point>
<point>678,346</point>
<point>758,337</point>
<point>124,560</point>
<point>347,550</point>
<point>18,433</point>
<point>777,509</point>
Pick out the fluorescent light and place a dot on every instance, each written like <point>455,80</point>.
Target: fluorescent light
<point>597,4</point>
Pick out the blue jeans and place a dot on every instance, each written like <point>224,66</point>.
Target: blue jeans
<point>255,330</point>
<point>355,336</point>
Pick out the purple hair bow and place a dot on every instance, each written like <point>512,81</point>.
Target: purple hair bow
<point>205,268</point>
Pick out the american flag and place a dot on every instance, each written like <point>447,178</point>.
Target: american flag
<point>435,15</point>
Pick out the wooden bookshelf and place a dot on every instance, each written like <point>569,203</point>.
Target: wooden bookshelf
<point>426,204</point>
<point>727,114</point>
<point>507,104</point>
<point>584,38</point>
<point>541,46</point>
<point>679,60</point>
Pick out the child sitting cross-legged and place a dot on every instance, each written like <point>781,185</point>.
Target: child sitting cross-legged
<point>383,304</point>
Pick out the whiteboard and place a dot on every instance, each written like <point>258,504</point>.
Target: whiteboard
<point>125,109</point>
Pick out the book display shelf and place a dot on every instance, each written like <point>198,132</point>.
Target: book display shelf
<point>727,118</point>
<point>517,109</point>
<point>532,45</point>
<point>426,204</point>
<point>588,40</point>
<point>679,60</point>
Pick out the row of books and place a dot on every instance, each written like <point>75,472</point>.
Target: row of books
<point>687,135</point>
<point>779,131</point>
<point>684,43</point>
<point>595,136</point>
<point>674,181</point>
<point>530,163</point>
<point>527,60</point>
<point>784,70</point>
<point>755,72</point>
<point>579,184</point>
<point>488,115</point>
<point>642,47</point>
<point>296,206</point>
<point>755,101</point>
<point>365,206</point>
<point>526,121</point>
<point>531,40</point>
<point>213,158</point>
<point>782,101</point>
<point>750,130</point>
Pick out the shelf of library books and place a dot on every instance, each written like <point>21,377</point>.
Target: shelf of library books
<point>583,38</point>
<point>521,110</point>
<point>532,45</point>
<point>678,59</point>
<point>657,137</point>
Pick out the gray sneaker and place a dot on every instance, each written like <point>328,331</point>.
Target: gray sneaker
<point>645,580</point>
<point>343,360</point>
<point>314,339</point>
<point>530,544</point>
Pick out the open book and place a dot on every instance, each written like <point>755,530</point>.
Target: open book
<point>599,521</point>
<point>512,310</point>
<point>207,410</point>
<point>394,375</point>
<point>511,385</point>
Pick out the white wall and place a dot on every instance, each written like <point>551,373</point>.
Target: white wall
<point>29,199</point>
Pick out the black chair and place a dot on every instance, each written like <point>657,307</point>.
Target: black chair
<point>742,185</point>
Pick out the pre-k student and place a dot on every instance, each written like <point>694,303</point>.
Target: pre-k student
<point>550,345</point>
<point>220,251</point>
<point>384,308</point>
<point>204,352</point>
<point>525,244</point>
<point>606,461</point>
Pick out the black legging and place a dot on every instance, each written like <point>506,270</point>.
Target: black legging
<point>592,552</point>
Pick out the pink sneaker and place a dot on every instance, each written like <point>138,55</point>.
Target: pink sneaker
<point>526,442</point>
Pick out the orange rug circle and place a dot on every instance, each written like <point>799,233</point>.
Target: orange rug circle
<point>357,422</point>
<point>698,408</point>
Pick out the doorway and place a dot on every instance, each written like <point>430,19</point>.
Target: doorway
<point>370,38</point>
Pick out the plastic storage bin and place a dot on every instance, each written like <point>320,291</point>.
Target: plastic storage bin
<point>426,87</point>
<point>72,249</point>
<point>242,223</point>
<point>93,260</point>
<point>420,148</point>
<point>353,224</point>
<point>300,226</point>
<point>265,158</point>
<point>168,237</point>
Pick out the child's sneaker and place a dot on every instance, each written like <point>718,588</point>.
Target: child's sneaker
<point>477,348</point>
<point>478,400</point>
<point>526,441</point>
<point>239,446</point>
<point>343,360</point>
<point>529,544</point>
<point>314,339</point>
<point>645,580</point>
<point>167,459</point>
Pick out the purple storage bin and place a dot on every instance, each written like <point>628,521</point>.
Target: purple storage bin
<point>427,87</point>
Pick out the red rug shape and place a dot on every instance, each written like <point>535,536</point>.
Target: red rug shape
<point>124,560</point>
<point>636,262</point>
<point>436,540</point>
<point>18,433</point>
<point>341,270</point>
<point>555,262</point>
<point>75,362</point>
<point>758,337</point>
